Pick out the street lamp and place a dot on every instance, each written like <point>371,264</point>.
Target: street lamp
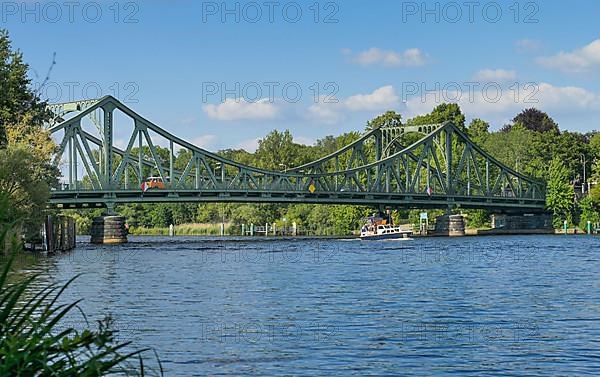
<point>583,160</point>
<point>220,166</point>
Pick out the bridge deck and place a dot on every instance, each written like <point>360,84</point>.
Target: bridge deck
<point>82,199</point>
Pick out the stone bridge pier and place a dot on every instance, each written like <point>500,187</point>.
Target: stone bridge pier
<point>109,228</point>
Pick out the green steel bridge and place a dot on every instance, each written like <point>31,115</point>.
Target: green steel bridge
<point>443,169</point>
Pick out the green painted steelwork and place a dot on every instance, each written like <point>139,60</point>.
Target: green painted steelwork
<point>443,169</point>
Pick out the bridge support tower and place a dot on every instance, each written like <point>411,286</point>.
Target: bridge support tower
<point>109,228</point>
<point>450,225</point>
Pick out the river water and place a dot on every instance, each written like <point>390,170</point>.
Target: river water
<point>495,306</point>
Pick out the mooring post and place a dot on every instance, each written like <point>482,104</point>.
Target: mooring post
<point>243,229</point>
<point>589,227</point>
<point>565,226</point>
<point>252,230</point>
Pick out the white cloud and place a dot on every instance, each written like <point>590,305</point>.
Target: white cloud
<point>250,145</point>
<point>552,99</point>
<point>412,57</point>
<point>304,140</point>
<point>580,60</point>
<point>495,75</point>
<point>567,98</point>
<point>240,109</point>
<point>383,98</point>
<point>325,112</point>
<point>204,141</point>
<point>527,45</point>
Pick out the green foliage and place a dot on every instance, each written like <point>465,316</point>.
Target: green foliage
<point>162,215</point>
<point>590,208</point>
<point>478,218</point>
<point>559,192</point>
<point>515,148</point>
<point>277,151</point>
<point>535,120</point>
<point>26,171</point>
<point>388,119</point>
<point>16,99</point>
<point>594,141</point>
<point>21,184</point>
<point>478,130</point>
<point>440,114</point>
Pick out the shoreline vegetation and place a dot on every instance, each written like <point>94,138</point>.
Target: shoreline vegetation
<point>210,229</point>
<point>182,230</point>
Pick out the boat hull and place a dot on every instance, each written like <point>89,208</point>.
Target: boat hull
<point>389,236</point>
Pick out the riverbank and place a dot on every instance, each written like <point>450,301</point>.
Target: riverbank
<point>182,230</point>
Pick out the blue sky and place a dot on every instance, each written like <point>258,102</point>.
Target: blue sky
<point>171,60</point>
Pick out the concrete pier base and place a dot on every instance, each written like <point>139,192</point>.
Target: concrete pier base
<point>540,223</point>
<point>108,230</point>
<point>522,222</point>
<point>450,225</point>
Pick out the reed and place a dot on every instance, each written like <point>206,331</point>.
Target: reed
<point>35,341</point>
<point>182,230</point>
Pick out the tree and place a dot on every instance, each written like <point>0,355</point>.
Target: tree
<point>276,149</point>
<point>442,113</point>
<point>17,100</point>
<point>162,215</point>
<point>388,119</point>
<point>559,192</point>
<point>590,211</point>
<point>26,149</point>
<point>21,184</point>
<point>478,130</point>
<point>535,120</point>
<point>594,142</point>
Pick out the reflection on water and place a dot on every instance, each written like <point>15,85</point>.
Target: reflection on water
<point>469,306</point>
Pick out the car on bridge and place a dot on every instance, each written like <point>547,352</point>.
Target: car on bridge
<point>153,183</point>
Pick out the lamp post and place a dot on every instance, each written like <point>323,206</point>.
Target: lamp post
<point>594,162</point>
<point>220,166</point>
<point>583,161</point>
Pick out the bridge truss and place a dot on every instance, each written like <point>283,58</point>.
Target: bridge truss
<point>442,169</point>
